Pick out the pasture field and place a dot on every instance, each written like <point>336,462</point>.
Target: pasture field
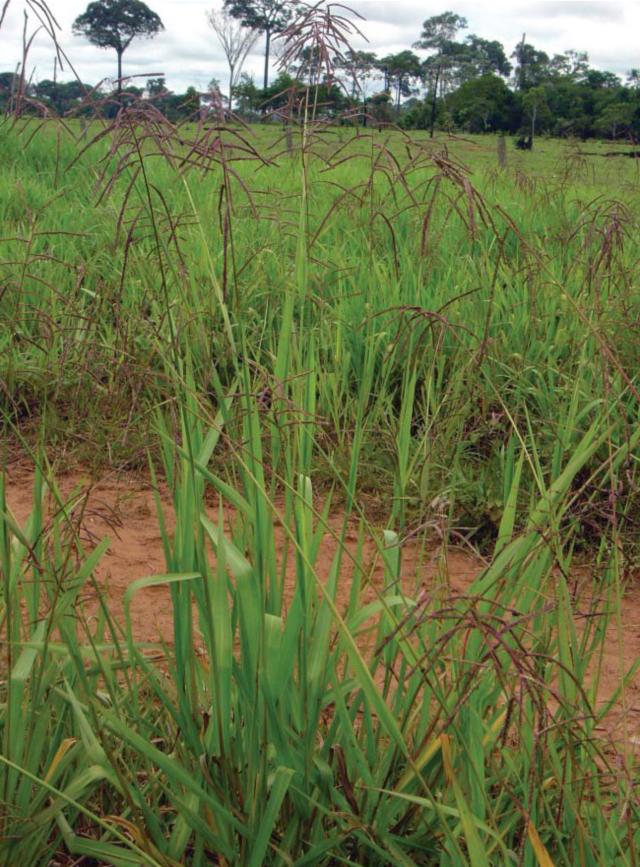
<point>343,368</point>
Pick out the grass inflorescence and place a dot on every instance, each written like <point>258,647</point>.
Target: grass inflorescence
<point>401,332</point>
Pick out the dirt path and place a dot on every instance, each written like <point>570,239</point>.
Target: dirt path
<point>122,508</point>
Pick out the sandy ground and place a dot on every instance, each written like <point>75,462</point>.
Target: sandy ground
<point>122,508</point>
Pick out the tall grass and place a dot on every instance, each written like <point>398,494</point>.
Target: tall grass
<point>496,296</point>
<point>364,322</point>
<point>416,729</point>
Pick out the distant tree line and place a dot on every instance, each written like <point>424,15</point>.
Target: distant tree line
<point>76,99</point>
<point>449,79</point>
<point>452,79</point>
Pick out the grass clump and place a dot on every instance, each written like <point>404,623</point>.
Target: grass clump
<point>363,321</point>
<point>419,728</point>
<point>496,300</point>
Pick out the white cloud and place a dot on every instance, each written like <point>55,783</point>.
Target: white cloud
<point>187,52</point>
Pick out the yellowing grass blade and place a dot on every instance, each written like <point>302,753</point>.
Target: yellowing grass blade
<point>61,752</point>
<point>544,859</point>
<point>425,756</point>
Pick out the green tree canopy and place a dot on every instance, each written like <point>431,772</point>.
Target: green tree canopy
<point>571,64</point>
<point>439,38</point>
<point>440,29</point>
<point>358,67</point>
<point>400,70</point>
<point>598,79</point>
<point>532,66</point>
<point>615,119</point>
<point>115,24</point>
<point>485,56</point>
<point>156,86</point>
<point>483,104</point>
<point>536,108</point>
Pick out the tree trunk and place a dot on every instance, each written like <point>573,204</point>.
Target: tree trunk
<point>119,91</point>
<point>533,124</point>
<point>434,103</point>
<point>267,49</point>
<point>521,72</point>
<point>231,81</point>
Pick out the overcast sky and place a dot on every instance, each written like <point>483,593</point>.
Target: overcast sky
<point>187,52</point>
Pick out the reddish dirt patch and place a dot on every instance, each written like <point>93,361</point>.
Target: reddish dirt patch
<point>122,508</point>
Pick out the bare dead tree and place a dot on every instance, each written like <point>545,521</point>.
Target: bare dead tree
<point>236,42</point>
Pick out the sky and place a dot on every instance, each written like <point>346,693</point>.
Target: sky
<point>187,53</point>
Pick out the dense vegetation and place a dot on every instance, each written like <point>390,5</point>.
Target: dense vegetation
<point>293,325</point>
<point>315,342</point>
<point>495,271</point>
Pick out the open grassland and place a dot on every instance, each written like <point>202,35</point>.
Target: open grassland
<point>424,301</point>
<point>392,342</point>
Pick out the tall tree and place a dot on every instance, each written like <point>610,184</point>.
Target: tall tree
<point>156,86</point>
<point>597,78</point>
<point>485,56</point>
<point>536,108</point>
<point>633,79</point>
<point>264,16</point>
<point>615,119</point>
<point>483,104</point>
<point>236,41</point>
<point>115,24</point>
<point>358,68</point>
<point>306,66</point>
<point>439,37</point>
<point>532,65</point>
<point>572,64</point>
<point>399,70</point>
